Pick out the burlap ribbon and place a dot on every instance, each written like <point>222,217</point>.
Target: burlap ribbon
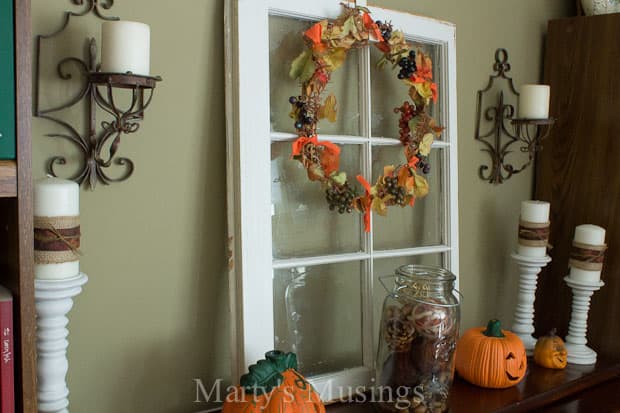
<point>533,234</point>
<point>56,239</point>
<point>587,257</point>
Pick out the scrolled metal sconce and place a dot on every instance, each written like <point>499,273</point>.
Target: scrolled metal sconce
<point>97,91</point>
<point>499,138</point>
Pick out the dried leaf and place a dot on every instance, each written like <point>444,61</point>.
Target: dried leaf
<point>330,157</point>
<point>398,46</point>
<point>405,179</point>
<point>315,173</point>
<point>388,170</point>
<point>397,38</point>
<point>335,58</point>
<point>302,67</point>
<point>339,178</point>
<point>350,28</point>
<point>382,62</point>
<point>328,109</point>
<point>425,146</point>
<point>314,33</point>
<point>424,65</point>
<point>424,90</point>
<point>378,205</point>
<point>421,186</point>
<point>415,96</point>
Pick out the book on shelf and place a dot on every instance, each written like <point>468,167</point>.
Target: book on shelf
<point>7,380</point>
<point>7,81</point>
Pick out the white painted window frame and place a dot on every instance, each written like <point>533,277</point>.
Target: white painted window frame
<point>248,171</point>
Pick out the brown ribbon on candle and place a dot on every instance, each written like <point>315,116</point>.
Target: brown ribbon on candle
<point>56,239</point>
<point>533,234</point>
<point>587,257</point>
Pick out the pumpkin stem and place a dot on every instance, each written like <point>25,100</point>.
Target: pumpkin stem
<point>282,361</point>
<point>494,329</point>
<point>265,375</point>
<point>553,332</point>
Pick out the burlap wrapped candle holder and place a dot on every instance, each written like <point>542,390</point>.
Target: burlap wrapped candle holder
<point>532,234</point>
<point>587,257</point>
<point>56,239</point>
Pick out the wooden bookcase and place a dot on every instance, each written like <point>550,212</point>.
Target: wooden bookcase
<point>16,233</point>
<point>578,169</point>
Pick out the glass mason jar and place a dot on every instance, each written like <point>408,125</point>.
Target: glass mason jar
<point>418,333</point>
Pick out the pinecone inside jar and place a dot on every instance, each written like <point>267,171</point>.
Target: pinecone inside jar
<point>399,328</point>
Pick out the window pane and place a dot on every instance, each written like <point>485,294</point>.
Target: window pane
<point>388,92</point>
<point>302,223</point>
<point>285,44</point>
<point>387,266</point>
<point>409,227</point>
<point>317,314</point>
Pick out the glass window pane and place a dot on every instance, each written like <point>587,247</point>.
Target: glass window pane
<point>387,266</point>
<point>285,44</point>
<point>409,227</point>
<point>388,92</point>
<point>317,314</point>
<point>302,223</point>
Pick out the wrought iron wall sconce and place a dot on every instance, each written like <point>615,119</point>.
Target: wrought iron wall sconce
<point>98,92</point>
<point>500,137</point>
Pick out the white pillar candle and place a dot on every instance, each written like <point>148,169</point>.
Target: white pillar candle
<point>55,198</point>
<point>125,47</point>
<point>534,102</point>
<point>589,235</point>
<point>536,212</point>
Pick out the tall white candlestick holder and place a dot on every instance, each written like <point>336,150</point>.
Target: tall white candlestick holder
<point>54,300</point>
<point>576,341</point>
<point>523,322</point>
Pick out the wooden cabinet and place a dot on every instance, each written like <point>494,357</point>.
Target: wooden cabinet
<point>16,235</point>
<point>579,169</point>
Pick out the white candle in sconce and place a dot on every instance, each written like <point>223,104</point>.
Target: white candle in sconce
<point>589,238</point>
<point>56,229</point>
<point>533,228</point>
<point>125,47</point>
<point>534,102</point>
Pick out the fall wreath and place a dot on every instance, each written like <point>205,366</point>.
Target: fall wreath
<point>328,43</point>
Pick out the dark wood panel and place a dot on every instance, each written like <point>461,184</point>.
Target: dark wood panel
<point>577,170</point>
<point>541,387</point>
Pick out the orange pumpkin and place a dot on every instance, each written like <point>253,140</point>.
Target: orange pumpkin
<point>491,357</point>
<point>274,386</point>
<point>550,352</point>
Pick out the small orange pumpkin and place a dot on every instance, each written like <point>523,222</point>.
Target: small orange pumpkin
<point>274,386</point>
<point>550,352</point>
<point>491,357</point>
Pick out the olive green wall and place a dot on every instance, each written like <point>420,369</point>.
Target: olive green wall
<point>154,314</point>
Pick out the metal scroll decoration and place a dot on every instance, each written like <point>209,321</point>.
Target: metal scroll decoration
<point>499,138</point>
<point>96,91</point>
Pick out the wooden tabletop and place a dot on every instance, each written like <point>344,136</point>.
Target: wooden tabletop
<point>603,398</point>
<point>541,387</point>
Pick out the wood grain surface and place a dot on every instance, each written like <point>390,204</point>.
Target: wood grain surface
<point>602,398</point>
<point>8,179</point>
<point>541,388</point>
<point>578,169</point>
<point>16,232</point>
